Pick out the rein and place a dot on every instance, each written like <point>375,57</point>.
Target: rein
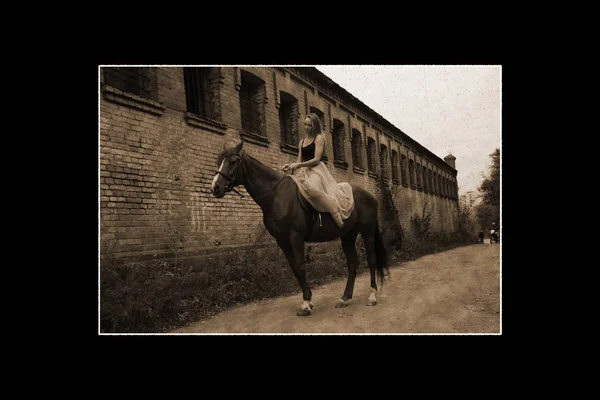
<point>280,179</point>
<point>230,179</point>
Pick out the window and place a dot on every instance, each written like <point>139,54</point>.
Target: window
<point>135,80</point>
<point>133,87</point>
<point>430,183</point>
<point>371,156</point>
<point>252,101</point>
<point>356,147</point>
<point>403,170</point>
<point>338,136</point>
<point>288,120</point>
<point>411,173</point>
<point>383,160</point>
<point>201,92</point>
<point>419,180</point>
<point>395,166</point>
<point>446,187</point>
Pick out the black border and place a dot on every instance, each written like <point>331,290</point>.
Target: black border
<point>371,350</point>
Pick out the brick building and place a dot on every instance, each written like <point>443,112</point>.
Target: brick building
<point>161,129</point>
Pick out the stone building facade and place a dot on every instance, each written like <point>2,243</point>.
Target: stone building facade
<point>161,129</point>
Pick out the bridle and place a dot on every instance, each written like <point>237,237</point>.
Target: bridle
<point>230,178</point>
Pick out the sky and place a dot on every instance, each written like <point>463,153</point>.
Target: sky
<point>449,109</point>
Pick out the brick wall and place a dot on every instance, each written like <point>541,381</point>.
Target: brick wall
<point>157,163</point>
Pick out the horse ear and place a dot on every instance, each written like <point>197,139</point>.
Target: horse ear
<point>238,148</point>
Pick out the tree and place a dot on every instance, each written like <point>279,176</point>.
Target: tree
<point>486,214</point>
<point>489,210</point>
<point>490,187</point>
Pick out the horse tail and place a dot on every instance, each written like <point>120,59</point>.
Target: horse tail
<point>381,254</point>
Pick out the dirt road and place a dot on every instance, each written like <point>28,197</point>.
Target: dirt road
<point>456,291</point>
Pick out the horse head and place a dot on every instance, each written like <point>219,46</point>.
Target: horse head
<point>229,162</point>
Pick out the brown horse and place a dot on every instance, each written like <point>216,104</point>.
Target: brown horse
<point>292,223</point>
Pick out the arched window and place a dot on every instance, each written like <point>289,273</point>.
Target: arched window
<point>383,160</point>
<point>395,166</point>
<point>201,92</point>
<point>338,136</point>
<point>135,80</point>
<point>288,119</point>
<point>356,146</point>
<point>403,162</point>
<point>252,102</point>
<point>371,156</point>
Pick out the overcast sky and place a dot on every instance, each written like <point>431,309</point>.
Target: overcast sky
<point>447,109</point>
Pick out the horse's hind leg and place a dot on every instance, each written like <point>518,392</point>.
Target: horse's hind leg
<point>294,251</point>
<point>369,240</point>
<point>348,244</point>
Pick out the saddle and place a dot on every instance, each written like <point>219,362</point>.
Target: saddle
<point>312,215</point>
<point>306,206</point>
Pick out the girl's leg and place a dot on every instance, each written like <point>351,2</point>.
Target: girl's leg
<point>322,202</point>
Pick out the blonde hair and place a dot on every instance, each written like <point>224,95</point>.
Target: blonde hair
<point>316,123</point>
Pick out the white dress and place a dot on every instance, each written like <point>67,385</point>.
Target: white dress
<point>320,188</point>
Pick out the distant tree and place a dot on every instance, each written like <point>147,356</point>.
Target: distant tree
<point>486,214</point>
<point>490,187</point>
<point>489,210</point>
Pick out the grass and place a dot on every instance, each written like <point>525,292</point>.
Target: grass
<point>161,295</point>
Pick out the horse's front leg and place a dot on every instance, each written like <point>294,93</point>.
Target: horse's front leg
<point>293,248</point>
<point>348,244</point>
<point>372,261</point>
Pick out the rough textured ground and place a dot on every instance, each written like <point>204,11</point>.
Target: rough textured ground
<point>456,291</point>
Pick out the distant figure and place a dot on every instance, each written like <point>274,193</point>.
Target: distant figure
<point>494,233</point>
<point>481,236</point>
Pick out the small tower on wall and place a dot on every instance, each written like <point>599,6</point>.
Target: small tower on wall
<point>450,160</point>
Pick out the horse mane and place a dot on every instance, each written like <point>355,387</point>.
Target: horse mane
<point>276,171</point>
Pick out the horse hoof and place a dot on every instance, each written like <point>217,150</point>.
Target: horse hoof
<point>372,303</point>
<point>341,303</point>
<point>303,312</point>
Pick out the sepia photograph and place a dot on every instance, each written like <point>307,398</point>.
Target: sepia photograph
<point>299,200</point>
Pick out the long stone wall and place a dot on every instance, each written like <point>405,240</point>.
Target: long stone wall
<point>157,159</point>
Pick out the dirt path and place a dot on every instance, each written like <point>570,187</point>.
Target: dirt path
<point>456,291</point>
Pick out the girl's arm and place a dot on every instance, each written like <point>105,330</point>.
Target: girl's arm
<point>299,159</point>
<point>293,166</point>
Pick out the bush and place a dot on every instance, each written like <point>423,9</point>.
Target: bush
<point>391,230</point>
<point>161,295</point>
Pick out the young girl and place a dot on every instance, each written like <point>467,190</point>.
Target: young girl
<point>314,180</point>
